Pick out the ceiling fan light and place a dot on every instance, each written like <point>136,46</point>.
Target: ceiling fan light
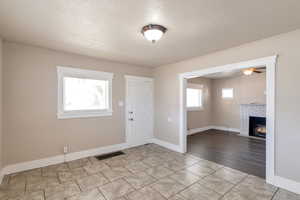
<point>153,32</point>
<point>248,72</point>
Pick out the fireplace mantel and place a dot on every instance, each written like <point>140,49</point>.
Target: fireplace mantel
<point>247,110</point>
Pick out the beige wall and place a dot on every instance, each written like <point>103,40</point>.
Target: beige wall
<point>287,137</point>
<point>1,67</point>
<point>226,112</point>
<point>246,89</point>
<point>31,129</point>
<point>202,118</point>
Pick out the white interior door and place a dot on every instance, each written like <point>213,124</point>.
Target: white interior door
<point>139,110</point>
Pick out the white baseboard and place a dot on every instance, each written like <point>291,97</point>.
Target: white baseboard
<point>221,128</point>
<point>23,166</point>
<point>287,184</point>
<point>197,130</point>
<point>167,145</point>
<point>60,159</point>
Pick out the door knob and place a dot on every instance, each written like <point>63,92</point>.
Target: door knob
<point>130,112</point>
<point>130,119</point>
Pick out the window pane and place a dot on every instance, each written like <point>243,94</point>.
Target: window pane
<point>85,94</point>
<point>193,97</point>
<point>227,93</point>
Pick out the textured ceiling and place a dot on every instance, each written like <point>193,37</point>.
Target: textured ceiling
<point>110,29</point>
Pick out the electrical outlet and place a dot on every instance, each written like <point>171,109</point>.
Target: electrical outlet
<point>66,149</point>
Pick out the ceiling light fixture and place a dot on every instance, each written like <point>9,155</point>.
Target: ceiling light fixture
<point>153,32</point>
<point>248,72</point>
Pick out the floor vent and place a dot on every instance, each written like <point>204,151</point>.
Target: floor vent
<point>109,155</point>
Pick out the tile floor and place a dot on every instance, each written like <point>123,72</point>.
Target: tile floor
<point>147,172</point>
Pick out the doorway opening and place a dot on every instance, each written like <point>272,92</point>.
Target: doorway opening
<point>268,64</point>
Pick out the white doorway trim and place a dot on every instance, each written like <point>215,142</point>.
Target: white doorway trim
<point>270,64</point>
<point>129,78</point>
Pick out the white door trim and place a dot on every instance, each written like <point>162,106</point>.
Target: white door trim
<point>270,63</point>
<point>137,78</point>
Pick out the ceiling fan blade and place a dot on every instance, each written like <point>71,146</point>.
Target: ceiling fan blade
<point>257,71</point>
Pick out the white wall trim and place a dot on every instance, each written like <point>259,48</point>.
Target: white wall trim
<point>270,63</point>
<point>82,73</point>
<point>198,130</point>
<point>23,166</point>
<point>287,184</point>
<point>60,159</point>
<point>221,128</point>
<point>224,128</point>
<point>139,78</point>
<point>167,145</point>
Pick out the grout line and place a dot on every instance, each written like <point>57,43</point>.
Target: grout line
<point>275,193</point>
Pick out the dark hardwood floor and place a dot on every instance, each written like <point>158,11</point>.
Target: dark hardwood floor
<point>229,149</point>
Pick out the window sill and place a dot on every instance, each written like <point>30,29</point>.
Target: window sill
<point>195,109</point>
<point>83,115</point>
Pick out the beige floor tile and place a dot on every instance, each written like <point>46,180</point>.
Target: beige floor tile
<point>137,167</point>
<point>232,195</point>
<point>17,179</point>
<point>116,162</point>
<point>159,172</point>
<point>78,163</point>
<point>200,170</point>
<point>286,195</point>
<point>14,186</point>
<point>233,176</point>
<point>38,195</point>
<point>187,160</point>
<point>185,177</point>
<point>72,175</point>
<point>88,195</point>
<point>254,185</point>
<point>116,189</point>
<point>45,183</point>
<point>175,165</point>
<point>52,170</point>
<point>153,161</point>
<point>217,184</point>
<point>62,191</point>
<point>91,182</point>
<point>145,193</point>
<point>134,157</point>
<point>116,173</point>
<point>199,192</point>
<point>139,180</point>
<point>167,187</point>
<point>8,192</point>
<point>176,197</point>
<point>95,168</point>
<point>33,172</point>
<point>209,164</point>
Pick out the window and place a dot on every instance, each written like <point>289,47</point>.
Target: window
<point>194,97</point>
<point>227,93</point>
<point>83,93</point>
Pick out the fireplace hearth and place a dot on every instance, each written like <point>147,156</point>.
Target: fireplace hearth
<point>257,127</point>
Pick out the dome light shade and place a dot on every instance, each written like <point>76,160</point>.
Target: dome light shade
<point>248,72</point>
<point>153,32</point>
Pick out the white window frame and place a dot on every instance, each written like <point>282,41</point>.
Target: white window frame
<point>227,89</point>
<point>199,87</point>
<point>81,73</point>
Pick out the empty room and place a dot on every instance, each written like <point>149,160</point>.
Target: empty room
<point>155,100</point>
<point>226,119</point>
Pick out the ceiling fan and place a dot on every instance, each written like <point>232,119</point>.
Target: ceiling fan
<point>258,70</point>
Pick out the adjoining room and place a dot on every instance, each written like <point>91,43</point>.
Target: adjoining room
<point>222,107</point>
